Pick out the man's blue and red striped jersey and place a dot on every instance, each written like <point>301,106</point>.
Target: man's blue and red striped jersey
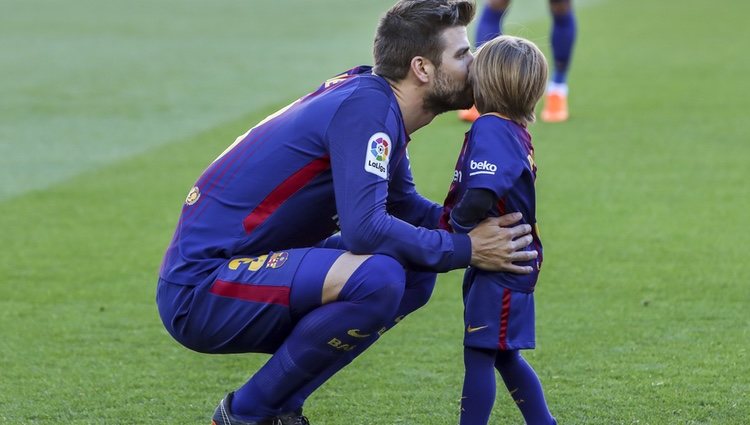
<point>497,155</point>
<point>332,160</point>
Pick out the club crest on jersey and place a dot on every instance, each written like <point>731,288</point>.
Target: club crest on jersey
<point>277,260</point>
<point>193,196</point>
<point>378,150</point>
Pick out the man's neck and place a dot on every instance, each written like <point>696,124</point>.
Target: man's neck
<point>411,102</point>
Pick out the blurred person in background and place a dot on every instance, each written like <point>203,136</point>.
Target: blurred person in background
<point>563,37</point>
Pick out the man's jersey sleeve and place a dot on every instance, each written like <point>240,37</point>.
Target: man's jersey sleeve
<point>495,159</point>
<point>406,203</point>
<point>361,139</point>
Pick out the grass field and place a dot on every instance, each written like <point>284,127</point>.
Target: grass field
<point>110,110</point>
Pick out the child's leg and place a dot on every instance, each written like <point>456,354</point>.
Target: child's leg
<point>479,386</point>
<point>524,386</point>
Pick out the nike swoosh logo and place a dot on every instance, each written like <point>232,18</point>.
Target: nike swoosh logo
<point>469,329</point>
<point>355,333</point>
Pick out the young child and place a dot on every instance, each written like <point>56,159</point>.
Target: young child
<point>494,175</point>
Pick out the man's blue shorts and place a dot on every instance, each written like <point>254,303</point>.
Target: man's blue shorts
<point>249,304</point>
<point>496,317</point>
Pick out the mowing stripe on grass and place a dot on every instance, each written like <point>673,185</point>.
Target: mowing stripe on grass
<point>87,83</point>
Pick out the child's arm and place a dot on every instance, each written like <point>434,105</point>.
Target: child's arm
<point>473,208</point>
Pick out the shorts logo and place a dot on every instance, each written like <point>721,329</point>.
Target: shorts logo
<point>355,333</point>
<point>193,196</point>
<point>378,150</point>
<point>482,167</point>
<point>277,260</point>
<point>470,330</point>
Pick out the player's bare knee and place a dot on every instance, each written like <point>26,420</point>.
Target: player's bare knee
<point>340,272</point>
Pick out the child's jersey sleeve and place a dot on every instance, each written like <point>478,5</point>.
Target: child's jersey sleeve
<point>471,209</point>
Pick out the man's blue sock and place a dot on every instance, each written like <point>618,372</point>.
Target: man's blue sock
<point>368,300</point>
<point>490,25</point>
<point>524,386</point>
<point>419,286</point>
<point>478,394</point>
<point>563,39</point>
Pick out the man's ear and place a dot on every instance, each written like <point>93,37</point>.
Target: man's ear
<point>422,68</point>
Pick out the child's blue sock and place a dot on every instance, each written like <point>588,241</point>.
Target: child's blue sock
<point>478,394</point>
<point>524,386</point>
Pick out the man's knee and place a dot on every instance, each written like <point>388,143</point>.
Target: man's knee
<point>419,287</point>
<point>378,282</point>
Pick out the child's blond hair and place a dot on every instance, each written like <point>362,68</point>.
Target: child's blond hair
<point>509,78</point>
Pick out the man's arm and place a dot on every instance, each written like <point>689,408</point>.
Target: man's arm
<point>496,247</point>
<point>406,203</point>
<point>360,177</point>
<point>362,139</point>
<point>467,217</point>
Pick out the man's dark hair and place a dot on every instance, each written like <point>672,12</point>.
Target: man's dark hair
<point>413,28</point>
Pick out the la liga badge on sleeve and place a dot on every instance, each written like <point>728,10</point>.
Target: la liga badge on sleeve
<point>378,151</point>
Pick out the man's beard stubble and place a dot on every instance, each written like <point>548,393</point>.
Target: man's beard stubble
<point>445,96</point>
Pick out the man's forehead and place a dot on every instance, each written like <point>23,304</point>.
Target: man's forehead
<point>454,39</point>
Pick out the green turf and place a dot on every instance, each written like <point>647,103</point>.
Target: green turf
<point>643,207</point>
<point>109,79</point>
